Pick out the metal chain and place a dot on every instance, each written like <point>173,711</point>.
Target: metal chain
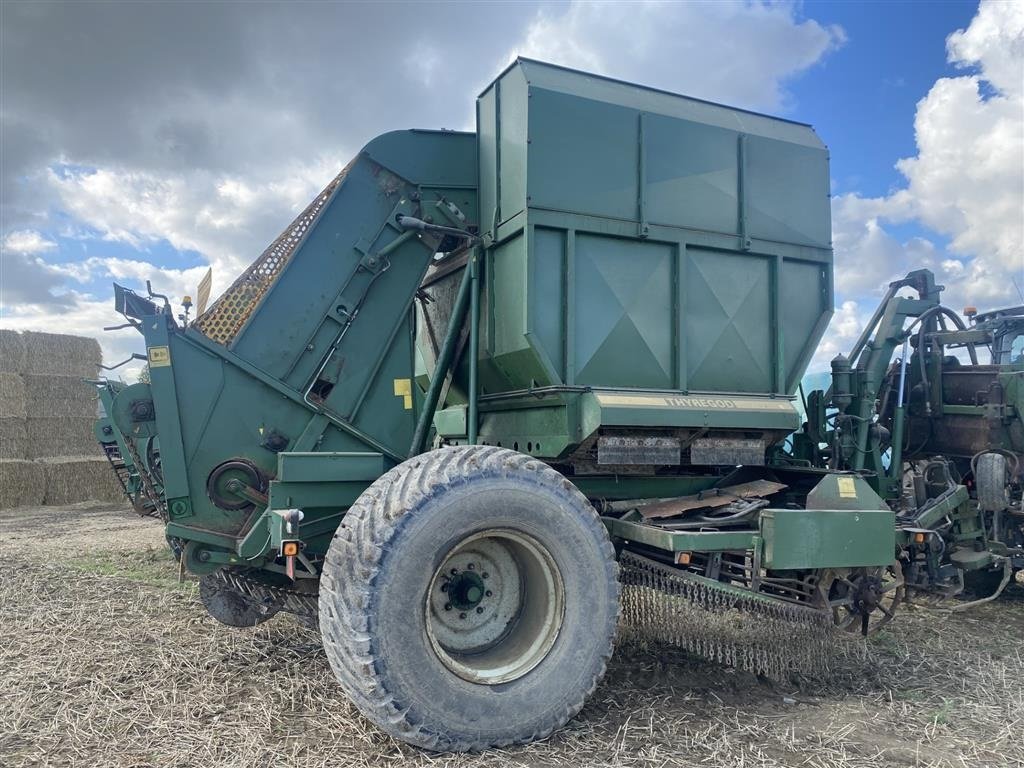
<point>288,600</point>
<point>718,622</point>
<point>148,490</point>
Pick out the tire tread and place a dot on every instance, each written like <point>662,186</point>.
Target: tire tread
<point>354,561</point>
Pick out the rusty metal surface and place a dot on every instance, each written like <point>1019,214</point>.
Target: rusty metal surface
<point>712,498</point>
<point>652,451</point>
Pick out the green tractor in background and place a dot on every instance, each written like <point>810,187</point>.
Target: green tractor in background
<point>937,431</point>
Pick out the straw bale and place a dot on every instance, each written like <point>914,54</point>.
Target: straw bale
<point>12,351</point>
<point>51,436</point>
<point>12,396</point>
<point>61,355</point>
<point>51,395</point>
<point>71,479</point>
<point>21,483</point>
<point>13,438</point>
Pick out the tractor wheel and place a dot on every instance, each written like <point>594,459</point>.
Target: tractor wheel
<point>990,482</point>
<point>230,607</point>
<point>469,600</point>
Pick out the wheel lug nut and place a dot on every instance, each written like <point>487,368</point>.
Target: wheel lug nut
<point>447,606</point>
<point>444,587</point>
<point>471,566</point>
<point>462,615</point>
<point>488,593</point>
<point>479,609</point>
<point>486,574</point>
<point>454,571</point>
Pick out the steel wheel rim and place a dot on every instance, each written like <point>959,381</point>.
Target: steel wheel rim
<point>495,606</point>
<point>848,613</point>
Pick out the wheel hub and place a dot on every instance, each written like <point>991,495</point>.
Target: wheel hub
<point>494,606</point>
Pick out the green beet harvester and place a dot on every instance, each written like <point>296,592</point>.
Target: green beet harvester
<point>491,391</point>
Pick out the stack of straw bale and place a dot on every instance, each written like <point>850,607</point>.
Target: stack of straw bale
<point>48,452</point>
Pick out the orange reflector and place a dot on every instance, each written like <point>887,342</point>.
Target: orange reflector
<point>290,548</point>
<point>683,558</point>
<point>919,538</point>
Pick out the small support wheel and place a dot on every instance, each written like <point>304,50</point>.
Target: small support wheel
<point>231,607</point>
<point>862,599</point>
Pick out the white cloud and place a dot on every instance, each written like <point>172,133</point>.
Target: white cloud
<point>27,242</point>
<point>227,219</point>
<point>966,181</point>
<point>741,53</point>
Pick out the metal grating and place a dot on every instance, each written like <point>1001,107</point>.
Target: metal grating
<point>223,320</point>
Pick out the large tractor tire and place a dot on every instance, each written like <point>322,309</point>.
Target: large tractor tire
<point>469,600</point>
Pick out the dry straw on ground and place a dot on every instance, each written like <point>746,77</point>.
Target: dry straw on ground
<point>72,479</point>
<point>21,483</point>
<point>53,436</point>
<point>106,661</point>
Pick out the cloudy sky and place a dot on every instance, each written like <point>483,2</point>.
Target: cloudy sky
<point>151,140</point>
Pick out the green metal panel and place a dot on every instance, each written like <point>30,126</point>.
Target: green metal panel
<point>583,155</point>
<point>653,100</point>
<point>328,467</point>
<point>805,298</point>
<point>547,298</point>
<point>680,541</point>
<point>728,321</point>
<point>624,313</point>
<point>737,412</point>
<point>786,189</point>
<point>513,135</point>
<point>694,238</point>
<point>694,164</point>
<point>826,538</point>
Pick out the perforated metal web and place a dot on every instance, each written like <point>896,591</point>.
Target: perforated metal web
<point>748,632</point>
<point>222,321</point>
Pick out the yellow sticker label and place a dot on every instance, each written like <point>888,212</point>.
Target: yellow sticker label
<point>159,357</point>
<point>847,488</point>
<point>403,389</point>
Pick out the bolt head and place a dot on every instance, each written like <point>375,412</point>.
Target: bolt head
<point>462,615</point>
<point>447,606</point>
<point>444,587</point>
<point>471,566</point>
<point>454,571</point>
<point>479,609</point>
<point>488,593</point>
<point>486,575</point>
